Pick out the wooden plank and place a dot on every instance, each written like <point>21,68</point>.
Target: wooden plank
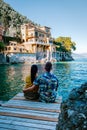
<point>29,116</point>
<point>20,96</point>
<point>47,127</point>
<point>17,127</point>
<point>37,116</point>
<point>31,108</point>
<point>34,104</point>
<point>32,125</point>
<point>32,112</point>
<point>23,98</point>
<point>28,120</point>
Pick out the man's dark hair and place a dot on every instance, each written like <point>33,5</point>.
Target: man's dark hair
<point>48,66</point>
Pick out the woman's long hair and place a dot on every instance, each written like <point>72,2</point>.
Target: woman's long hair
<point>34,70</point>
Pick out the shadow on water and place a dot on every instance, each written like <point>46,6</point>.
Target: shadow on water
<point>70,75</point>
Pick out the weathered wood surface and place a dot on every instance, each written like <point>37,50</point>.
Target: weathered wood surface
<point>19,114</point>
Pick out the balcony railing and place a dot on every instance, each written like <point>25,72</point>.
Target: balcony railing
<point>41,43</point>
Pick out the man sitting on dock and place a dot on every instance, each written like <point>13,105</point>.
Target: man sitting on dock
<point>48,84</point>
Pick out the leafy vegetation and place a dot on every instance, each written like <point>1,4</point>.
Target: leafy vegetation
<point>2,45</point>
<point>64,44</point>
<point>6,39</point>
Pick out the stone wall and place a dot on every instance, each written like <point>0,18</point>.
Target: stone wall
<point>29,58</point>
<point>20,58</point>
<point>62,56</point>
<point>74,111</point>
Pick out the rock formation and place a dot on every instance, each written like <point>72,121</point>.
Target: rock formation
<point>74,110</point>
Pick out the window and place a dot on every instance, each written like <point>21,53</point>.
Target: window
<point>20,49</point>
<point>47,30</point>
<point>9,48</point>
<point>6,48</point>
<point>36,34</point>
<point>14,48</point>
<point>40,35</point>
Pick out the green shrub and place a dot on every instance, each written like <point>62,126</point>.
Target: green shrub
<point>2,45</point>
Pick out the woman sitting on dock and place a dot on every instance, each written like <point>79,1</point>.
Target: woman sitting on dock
<point>29,82</point>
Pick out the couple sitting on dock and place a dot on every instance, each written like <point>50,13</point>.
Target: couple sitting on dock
<point>42,87</point>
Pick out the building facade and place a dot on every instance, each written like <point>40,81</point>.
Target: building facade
<point>37,39</point>
<point>14,47</point>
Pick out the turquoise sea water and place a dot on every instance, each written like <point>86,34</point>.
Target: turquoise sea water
<point>70,75</point>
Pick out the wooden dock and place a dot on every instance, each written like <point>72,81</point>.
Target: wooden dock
<point>21,114</point>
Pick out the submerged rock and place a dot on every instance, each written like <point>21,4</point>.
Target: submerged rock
<point>73,114</point>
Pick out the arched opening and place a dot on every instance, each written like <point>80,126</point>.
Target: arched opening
<point>7,58</point>
<point>23,40</point>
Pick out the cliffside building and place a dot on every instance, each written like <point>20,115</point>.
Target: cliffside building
<point>37,39</point>
<point>14,47</point>
<point>37,44</point>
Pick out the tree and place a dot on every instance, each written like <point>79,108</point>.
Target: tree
<point>65,44</point>
<point>2,46</point>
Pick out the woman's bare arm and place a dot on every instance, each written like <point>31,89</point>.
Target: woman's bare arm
<point>30,89</point>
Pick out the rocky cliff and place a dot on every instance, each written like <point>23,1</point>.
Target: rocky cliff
<point>11,19</point>
<point>74,111</point>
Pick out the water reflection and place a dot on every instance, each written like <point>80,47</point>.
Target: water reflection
<point>25,70</point>
<point>10,81</point>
